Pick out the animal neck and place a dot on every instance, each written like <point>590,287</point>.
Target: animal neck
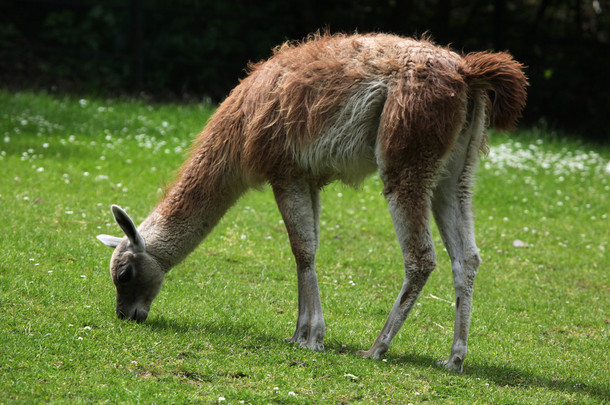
<point>207,186</point>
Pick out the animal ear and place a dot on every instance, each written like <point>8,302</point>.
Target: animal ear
<point>108,240</point>
<point>137,241</point>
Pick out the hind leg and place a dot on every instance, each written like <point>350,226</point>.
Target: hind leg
<point>423,114</point>
<point>452,208</point>
<point>299,204</point>
<point>409,205</point>
<point>456,227</point>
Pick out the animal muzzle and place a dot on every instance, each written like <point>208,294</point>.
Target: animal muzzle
<point>137,314</point>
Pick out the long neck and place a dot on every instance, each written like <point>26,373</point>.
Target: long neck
<point>207,186</point>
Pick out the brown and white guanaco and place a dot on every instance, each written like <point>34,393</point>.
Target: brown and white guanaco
<point>337,107</point>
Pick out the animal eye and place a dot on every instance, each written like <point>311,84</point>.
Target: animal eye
<point>126,274</point>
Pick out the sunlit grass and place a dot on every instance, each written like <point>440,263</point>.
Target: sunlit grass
<point>215,334</point>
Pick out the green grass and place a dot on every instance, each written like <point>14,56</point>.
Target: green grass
<point>541,316</point>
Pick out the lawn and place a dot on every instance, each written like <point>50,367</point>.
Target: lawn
<point>215,334</point>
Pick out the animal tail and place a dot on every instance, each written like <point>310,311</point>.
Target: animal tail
<point>504,75</point>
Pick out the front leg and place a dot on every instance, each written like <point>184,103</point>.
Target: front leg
<point>299,204</point>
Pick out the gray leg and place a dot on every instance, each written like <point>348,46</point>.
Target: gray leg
<point>456,227</point>
<point>410,215</point>
<point>299,204</point>
<point>452,208</point>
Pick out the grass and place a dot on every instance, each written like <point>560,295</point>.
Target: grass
<point>541,316</point>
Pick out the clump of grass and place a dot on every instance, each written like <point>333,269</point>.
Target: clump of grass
<point>215,334</point>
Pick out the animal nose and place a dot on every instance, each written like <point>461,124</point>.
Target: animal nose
<point>140,315</point>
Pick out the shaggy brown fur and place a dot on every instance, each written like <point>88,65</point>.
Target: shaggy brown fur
<point>500,73</point>
<point>286,102</point>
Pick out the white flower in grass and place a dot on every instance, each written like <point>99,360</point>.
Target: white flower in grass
<point>292,394</point>
<point>520,244</point>
<point>221,399</point>
<point>350,377</point>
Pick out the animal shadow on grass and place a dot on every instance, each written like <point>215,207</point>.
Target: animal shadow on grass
<point>236,332</point>
<point>502,376</point>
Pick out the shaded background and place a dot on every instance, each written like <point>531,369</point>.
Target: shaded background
<point>193,49</point>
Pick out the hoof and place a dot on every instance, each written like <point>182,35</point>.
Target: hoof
<point>455,364</point>
<point>375,352</point>
<point>369,354</point>
<point>315,346</point>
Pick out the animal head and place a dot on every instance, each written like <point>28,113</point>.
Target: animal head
<point>137,275</point>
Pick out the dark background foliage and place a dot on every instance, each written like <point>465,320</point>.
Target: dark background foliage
<point>189,49</point>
